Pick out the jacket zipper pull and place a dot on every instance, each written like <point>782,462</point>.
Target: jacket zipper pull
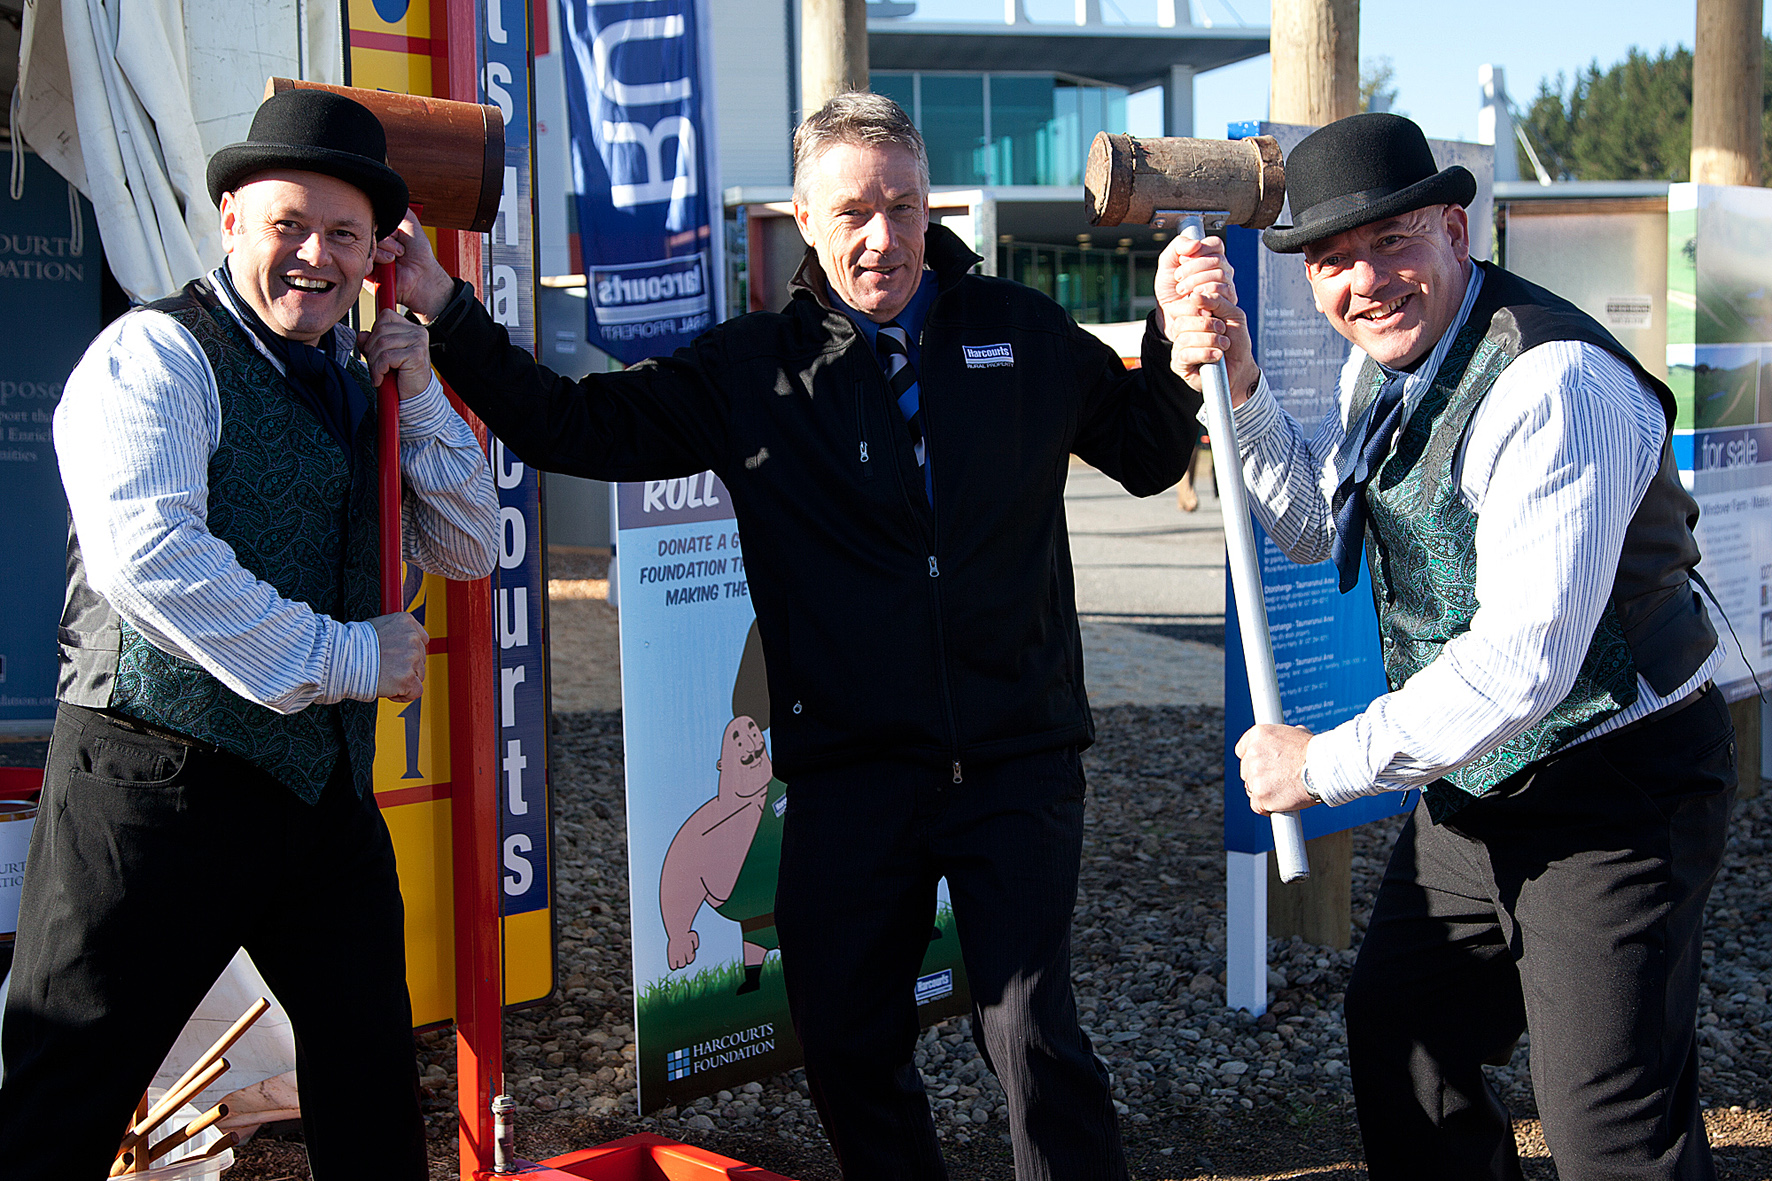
<point>934,570</point>
<point>958,778</point>
<point>864,450</point>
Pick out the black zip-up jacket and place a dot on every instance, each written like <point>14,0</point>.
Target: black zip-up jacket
<point>890,628</point>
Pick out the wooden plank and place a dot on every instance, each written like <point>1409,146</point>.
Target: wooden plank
<point>1319,909</point>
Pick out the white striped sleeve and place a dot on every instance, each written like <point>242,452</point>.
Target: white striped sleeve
<point>1555,464</point>
<point>138,421</point>
<point>1289,478</point>
<point>449,510</point>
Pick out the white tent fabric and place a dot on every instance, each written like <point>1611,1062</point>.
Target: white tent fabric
<point>261,1064</point>
<point>106,101</point>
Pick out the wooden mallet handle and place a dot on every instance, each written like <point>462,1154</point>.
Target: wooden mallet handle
<point>387,450</point>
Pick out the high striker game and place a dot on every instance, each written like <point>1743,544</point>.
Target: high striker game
<point>426,47</point>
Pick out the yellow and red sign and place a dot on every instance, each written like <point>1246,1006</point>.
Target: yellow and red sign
<point>402,45</point>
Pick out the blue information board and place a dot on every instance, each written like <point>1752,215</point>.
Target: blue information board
<point>49,295</point>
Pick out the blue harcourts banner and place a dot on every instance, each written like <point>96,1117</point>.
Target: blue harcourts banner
<point>49,293</point>
<point>517,586</point>
<point>638,98</point>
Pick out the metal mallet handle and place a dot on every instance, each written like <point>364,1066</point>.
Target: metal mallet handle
<point>1239,540</point>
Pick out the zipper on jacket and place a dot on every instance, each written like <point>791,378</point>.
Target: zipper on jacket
<point>941,644</point>
<point>861,429</point>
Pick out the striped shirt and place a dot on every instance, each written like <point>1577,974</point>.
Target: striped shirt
<point>139,419</point>
<point>1554,464</point>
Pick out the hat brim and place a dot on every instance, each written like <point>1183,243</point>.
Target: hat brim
<point>1450,186</point>
<point>387,193</point>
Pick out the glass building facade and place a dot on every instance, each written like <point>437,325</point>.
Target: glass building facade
<point>1106,284</point>
<point>1030,129</point>
<point>1005,129</point>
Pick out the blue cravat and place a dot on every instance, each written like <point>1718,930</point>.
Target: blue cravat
<point>1350,499</point>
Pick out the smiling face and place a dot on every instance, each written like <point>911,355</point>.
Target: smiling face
<point>1394,287</point>
<point>299,247</point>
<point>865,211</point>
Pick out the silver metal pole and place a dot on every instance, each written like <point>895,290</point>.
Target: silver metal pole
<point>1239,540</point>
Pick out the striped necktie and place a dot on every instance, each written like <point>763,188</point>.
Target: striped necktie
<point>901,379</point>
<point>1349,504</point>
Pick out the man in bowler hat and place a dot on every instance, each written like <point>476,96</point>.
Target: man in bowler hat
<point>208,785</point>
<point>1503,464</point>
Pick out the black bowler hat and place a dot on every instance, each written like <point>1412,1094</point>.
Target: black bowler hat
<point>316,131</point>
<point>1359,170</point>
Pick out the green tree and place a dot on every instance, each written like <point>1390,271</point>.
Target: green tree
<point>1377,92</point>
<point>1630,122</point>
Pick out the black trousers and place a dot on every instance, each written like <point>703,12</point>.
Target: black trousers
<point>150,865</point>
<point>862,850</point>
<point>1571,908</point>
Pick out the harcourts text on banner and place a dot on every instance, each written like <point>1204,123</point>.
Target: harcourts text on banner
<point>639,104</point>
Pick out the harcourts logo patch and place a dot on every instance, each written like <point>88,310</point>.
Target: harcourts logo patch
<point>632,293</point>
<point>937,984</point>
<point>988,356</point>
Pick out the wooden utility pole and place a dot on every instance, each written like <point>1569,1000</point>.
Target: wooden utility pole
<point>1726,93</point>
<point>833,50</point>
<point>1316,80</point>
<point>1315,61</point>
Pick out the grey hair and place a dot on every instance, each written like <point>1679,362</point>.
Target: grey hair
<point>856,117</point>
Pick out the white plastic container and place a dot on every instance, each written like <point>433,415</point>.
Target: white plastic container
<point>17,818</point>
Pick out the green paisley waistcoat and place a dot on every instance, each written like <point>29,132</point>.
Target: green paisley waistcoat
<point>300,515</point>
<point>1421,543</point>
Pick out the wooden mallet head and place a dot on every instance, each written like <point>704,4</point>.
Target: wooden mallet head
<point>450,154</point>
<point>1147,181</point>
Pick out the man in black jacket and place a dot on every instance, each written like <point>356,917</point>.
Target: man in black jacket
<point>895,443</point>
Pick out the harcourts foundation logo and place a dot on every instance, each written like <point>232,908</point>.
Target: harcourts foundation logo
<point>652,298</point>
<point>720,1051</point>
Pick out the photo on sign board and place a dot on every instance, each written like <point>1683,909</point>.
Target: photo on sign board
<point>1722,381</point>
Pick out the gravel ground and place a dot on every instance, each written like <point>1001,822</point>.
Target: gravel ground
<point>1203,1092</point>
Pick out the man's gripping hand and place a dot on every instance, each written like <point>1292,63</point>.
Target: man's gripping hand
<point>1196,290</point>
<point>1273,768</point>
<point>397,346</point>
<point>420,282</point>
<point>402,640</point>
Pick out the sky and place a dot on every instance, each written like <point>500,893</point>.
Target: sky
<point>1434,47</point>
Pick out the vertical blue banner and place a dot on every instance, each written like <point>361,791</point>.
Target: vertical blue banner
<point>49,292</point>
<point>518,601</point>
<point>639,101</point>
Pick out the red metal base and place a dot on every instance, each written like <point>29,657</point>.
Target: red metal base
<point>642,1157</point>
